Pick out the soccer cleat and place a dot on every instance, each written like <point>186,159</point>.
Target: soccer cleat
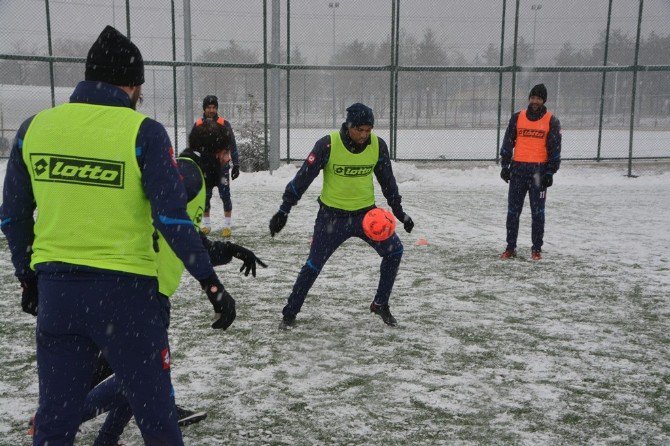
<point>385,313</point>
<point>186,417</point>
<point>205,229</point>
<point>536,255</point>
<point>287,323</point>
<point>31,426</point>
<point>508,254</point>
<point>226,232</point>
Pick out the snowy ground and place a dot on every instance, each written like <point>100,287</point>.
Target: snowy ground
<point>457,144</point>
<point>574,349</point>
<point>460,144</point>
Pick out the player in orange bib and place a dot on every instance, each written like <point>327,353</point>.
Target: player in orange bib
<point>530,156</point>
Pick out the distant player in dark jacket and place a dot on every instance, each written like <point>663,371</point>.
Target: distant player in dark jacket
<point>531,155</point>
<point>348,157</point>
<point>222,176</point>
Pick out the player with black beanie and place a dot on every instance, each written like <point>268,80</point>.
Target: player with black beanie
<point>530,156</point>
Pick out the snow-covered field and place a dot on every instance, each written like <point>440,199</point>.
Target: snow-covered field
<point>463,144</point>
<point>459,144</point>
<point>574,349</point>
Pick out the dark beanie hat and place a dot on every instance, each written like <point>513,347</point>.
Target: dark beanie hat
<point>114,59</point>
<point>359,114</point>
<point>209,100</point>
<point>540,91</point>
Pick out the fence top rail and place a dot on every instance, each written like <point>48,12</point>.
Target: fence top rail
<point>406,68</point>
<point>541,69</point>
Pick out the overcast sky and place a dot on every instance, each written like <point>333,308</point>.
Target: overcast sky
<point>465,27</point>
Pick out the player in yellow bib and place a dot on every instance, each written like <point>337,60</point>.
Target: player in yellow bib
<point>209,147</point>
<point>102,178</point>
<point>349,158</point>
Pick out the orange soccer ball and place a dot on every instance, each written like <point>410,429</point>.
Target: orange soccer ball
<point>379,224</point>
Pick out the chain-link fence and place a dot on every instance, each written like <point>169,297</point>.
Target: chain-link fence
<point>443,77</point>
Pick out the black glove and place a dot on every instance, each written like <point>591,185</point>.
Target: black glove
<point>29,296</point>
<point>235,172</point>
<point>408,223</point>
<point>277,222</point>
<point>406,220</point>
<point>547,180</point>
<point>249,258</point>
<point>223,303</point>
<point>505,174</point>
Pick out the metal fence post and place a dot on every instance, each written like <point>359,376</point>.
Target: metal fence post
<point>514,66</point>
<point>288,82</point>
<point>500,78</point>
<point>265,80</point>
<point>128,18</point>
<point>174,77</point>
<point>392,74</point>
<point>275,93</point>
<point>632,99</point>
<point>602,87</point>
<point>188,69</point>
<point>51,63</point>
<point>395,80</point>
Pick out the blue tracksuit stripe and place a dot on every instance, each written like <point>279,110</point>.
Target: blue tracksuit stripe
<point>295,192</point>
<point>311,265</point>
<point>400,251</point>
<point>174,221</point>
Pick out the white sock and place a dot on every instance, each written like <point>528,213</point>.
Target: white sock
<point>206,222</point>
<point>227,222</point>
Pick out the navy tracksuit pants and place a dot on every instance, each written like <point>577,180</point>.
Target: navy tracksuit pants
<point>224,191</point>
<point>82,313</point>
<point>331,229</point>
<point>108,396</point>
<point>526,179</point>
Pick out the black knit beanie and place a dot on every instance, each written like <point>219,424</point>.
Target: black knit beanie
<point>114,59</point>
<point>209,100</point>
<point>359,114</point>
<point>540,91</point>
